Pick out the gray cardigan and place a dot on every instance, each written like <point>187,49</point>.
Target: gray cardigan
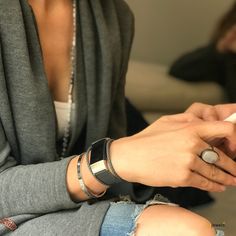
<point>32,178</point>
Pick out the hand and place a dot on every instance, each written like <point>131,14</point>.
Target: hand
<point>213,113</point>
<point>167,154</point>
<point>228,42</point>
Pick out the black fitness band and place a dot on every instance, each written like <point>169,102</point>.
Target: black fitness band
<point>98,163</point>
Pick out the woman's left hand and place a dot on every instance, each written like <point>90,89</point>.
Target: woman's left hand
<point>213,113</point>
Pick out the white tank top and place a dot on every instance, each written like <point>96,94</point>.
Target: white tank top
<point>62,111</point>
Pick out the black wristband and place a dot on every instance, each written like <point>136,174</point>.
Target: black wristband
<point>98,163</point>
<point>109,163</point>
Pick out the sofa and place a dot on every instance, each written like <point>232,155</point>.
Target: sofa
<point>154,93</point>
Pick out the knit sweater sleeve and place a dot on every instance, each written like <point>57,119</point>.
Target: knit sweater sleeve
<point>118,124</point>
<point>36,188</point>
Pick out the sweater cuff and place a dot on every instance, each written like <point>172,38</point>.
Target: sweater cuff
<point>35,189</point>
<point>60,192</point>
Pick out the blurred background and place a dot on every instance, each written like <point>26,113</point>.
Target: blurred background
<point>165,30</point>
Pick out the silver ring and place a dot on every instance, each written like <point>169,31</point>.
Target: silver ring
<point>209,155</point>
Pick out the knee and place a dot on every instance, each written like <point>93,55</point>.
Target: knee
<point>172,221</point>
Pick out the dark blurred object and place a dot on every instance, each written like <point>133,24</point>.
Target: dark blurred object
<point>206,64</point>
<point>185,197</point>
<point>135,120</point>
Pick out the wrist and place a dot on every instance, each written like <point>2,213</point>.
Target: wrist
<point>91,181</point>
<point>98,160</point>
<point>73,185</point>
<point>119,160</point>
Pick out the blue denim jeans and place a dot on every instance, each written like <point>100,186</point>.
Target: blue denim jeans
<point>121,218</point>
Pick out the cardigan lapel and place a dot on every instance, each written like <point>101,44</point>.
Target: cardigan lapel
<point>27,88</point>
<point>101,65</point>
<point>98,72</point>
<point>79,93</point>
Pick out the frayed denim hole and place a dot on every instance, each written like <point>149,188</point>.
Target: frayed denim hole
<point>135,216</point>
<point>157,200</point>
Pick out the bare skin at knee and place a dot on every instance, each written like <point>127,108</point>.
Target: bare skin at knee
<point>160,220</point>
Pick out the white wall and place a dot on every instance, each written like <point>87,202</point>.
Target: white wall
<point>167,28</point>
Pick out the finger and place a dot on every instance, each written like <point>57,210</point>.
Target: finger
<point>213,173</point>
<point>210,114</point>
<point>225,110</point>
<point>227,146</point>
<point>226,163</point>
<point>182,117</point>
<point>198,181</point>
<point>203,111</point>
<point>209,131</point>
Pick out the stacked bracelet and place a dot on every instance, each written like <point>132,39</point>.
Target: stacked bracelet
<point>109,163</point>
<point>84,188</point>
<point>100,164</point>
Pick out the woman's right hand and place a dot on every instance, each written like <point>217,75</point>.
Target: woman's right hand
<point>167,154</point>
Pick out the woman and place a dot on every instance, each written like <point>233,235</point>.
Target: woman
<point>215,61</point>
<point>62,72</point>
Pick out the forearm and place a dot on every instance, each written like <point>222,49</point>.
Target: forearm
<point>45,187</point>
<point>38,189</point>
<point>121,168</point>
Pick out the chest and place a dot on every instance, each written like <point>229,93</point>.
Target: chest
<point>55,30</point>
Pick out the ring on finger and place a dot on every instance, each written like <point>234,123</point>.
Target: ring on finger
<point>209,155</point>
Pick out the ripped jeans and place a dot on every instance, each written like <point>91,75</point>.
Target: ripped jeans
<point>121,218</point>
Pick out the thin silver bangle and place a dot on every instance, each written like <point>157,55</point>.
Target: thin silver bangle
<point>83,187</point>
